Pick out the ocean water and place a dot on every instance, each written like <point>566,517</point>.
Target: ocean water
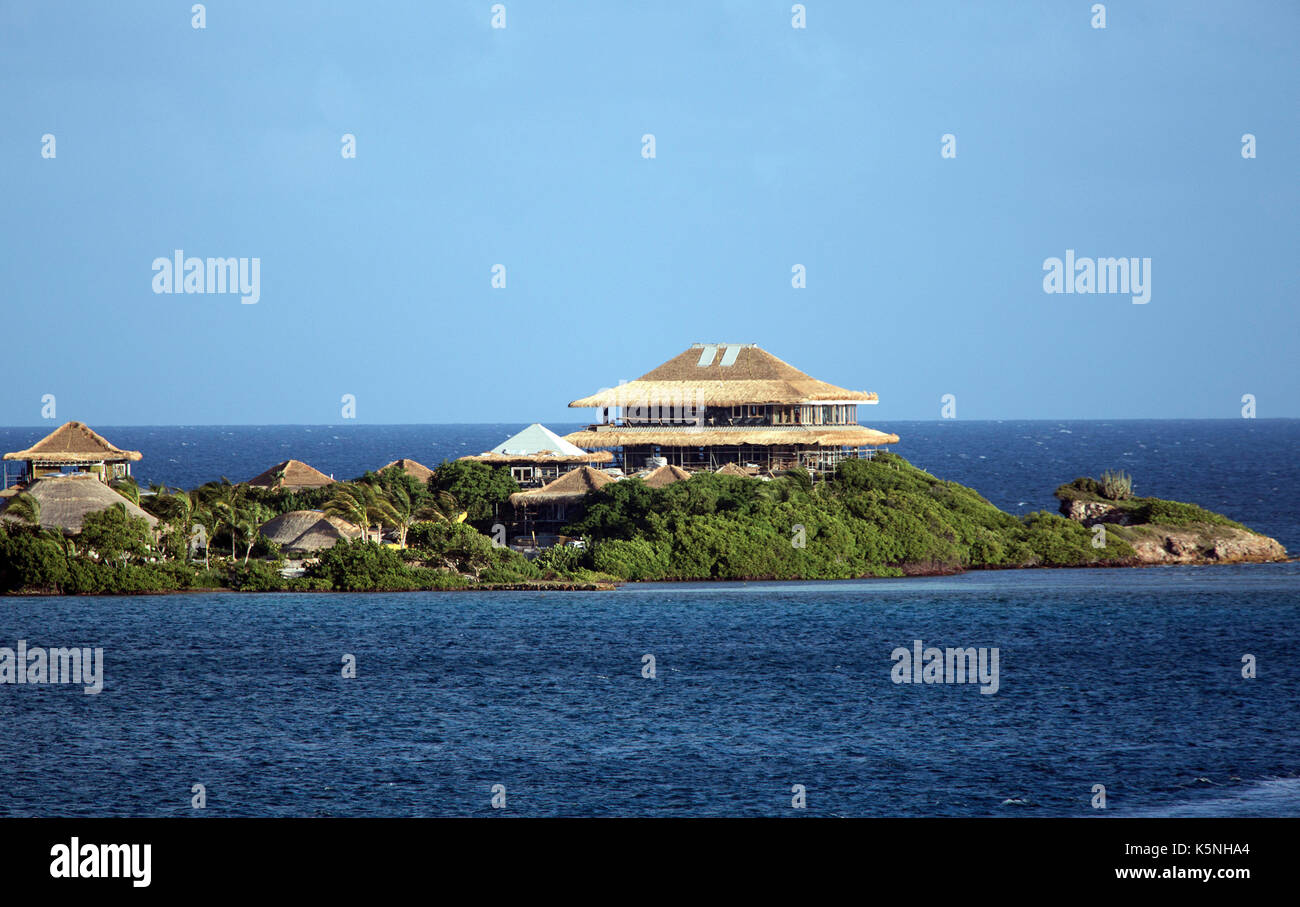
<point>1127,678</point>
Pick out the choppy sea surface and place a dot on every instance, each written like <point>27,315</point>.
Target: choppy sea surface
<point>1130,679</point>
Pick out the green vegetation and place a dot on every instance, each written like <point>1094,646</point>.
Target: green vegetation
<point>118,553</point>
<point>1116,486</point>
<point>1144,511</point>
<point>879,517</point>
<point>476,486</point>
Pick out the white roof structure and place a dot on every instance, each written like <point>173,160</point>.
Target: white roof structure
<point>537,439</point>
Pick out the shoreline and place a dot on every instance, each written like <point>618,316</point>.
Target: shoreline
<point>560,586</point>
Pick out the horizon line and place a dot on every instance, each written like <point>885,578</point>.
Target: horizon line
<point>351,423</point>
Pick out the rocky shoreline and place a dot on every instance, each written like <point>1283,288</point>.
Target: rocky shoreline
<point>1155,543</point>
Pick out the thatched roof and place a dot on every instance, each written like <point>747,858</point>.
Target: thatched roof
<point>307,530</point>
<point>723,375</point>
<point>73,442</point>
<point>65,501</point>
<point>733,469</point>
<point>763,436</point>
<point>537,444</point>
<point>664,475</point>
<point>291,475</point>
<point>288,526</point>
<point>571,486</point>
<point>415,470</point>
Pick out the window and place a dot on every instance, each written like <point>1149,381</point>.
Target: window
<point>755,410</point>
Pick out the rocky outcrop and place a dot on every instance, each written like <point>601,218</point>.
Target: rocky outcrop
<point>1212,545</point>
<point>1090,513</point>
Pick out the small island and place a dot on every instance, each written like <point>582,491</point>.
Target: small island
<point>876,517</point>
<point>723,463</point>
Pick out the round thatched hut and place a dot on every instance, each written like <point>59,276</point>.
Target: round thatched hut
<point>65,501</point>
<point>307,530</point>
<point>291,475</point>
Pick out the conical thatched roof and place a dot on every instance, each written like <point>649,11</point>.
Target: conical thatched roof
<point>325,533</point>
<point>417,471</point>
<point>65,501</point>
<point>571,486</point>
<point>733,469</point>
<point>538,444</point>
<point>290,476</point>
<point>73,442</point>
<point>307,530</point>
<point>722,375</point>
<point>665,475</point>
<point>288,526</point>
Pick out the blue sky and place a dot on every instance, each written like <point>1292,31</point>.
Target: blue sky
<point>522,146</point>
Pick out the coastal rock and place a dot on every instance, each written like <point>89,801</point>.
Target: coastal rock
<point>1227,545</point>
<point>1090,513</point>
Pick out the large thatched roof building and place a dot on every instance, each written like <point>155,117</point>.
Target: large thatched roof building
<point>291,475</point>
<point>66,500</point>
<point>536,454</point>
<point>307,530</point>
<point>73,445</point>
<point>729,403</point>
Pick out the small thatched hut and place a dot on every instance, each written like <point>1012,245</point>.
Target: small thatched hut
<point>536,455</point>
<point>291,475</point>
<point>557,502</point>
<point>734,469</point>
<point>65,501</point>
<point>74,445</point>
<point>664,475</point>
<point>417,471</point>
<point>307,530</point>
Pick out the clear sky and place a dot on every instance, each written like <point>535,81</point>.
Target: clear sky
<point>522,146</point>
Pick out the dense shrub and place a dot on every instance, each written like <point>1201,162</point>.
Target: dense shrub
<point>256,576</point>
<point>31,561</point>
<point>1176,513</point>
<point>873,517</point>
<point>476,486</point>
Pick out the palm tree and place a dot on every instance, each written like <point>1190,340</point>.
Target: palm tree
<point>442,508</point>
<point>127,488</point>
<point>221,501</point>
<point>24,508</point>
<point>361,505</point>
<point>402,511</point>
<point>250,519</point>
<point>399,502</point>
<point>210,520</point>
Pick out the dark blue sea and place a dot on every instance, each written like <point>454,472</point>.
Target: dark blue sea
<point>1131,679</point>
